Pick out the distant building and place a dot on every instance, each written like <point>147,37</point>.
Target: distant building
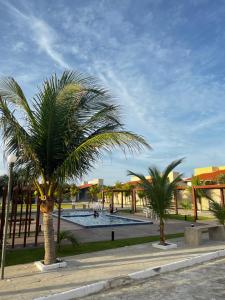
<point>85,185</point>
<point>135,180</point>
<point>210,169</point>
<point>208,174</point>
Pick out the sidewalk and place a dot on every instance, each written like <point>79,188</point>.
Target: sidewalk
<point>25,282</point>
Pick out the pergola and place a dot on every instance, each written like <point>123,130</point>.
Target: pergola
<point>122,191</point>
<point>134,191</point>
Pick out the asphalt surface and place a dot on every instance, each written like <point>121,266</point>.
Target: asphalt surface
<point>202,282</point>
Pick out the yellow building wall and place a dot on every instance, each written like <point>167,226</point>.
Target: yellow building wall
<point>209,169</point>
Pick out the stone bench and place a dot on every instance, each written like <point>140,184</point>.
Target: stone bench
<point>193,235</point>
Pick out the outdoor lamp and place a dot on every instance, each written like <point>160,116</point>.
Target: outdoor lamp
<point>11,159</point>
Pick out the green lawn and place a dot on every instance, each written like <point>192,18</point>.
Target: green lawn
<point>21,256</point>
<point>189,218</point>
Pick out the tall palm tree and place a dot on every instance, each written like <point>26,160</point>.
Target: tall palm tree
<point>60,134</point>
<point>159,192</point>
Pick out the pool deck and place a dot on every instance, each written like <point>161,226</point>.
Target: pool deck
<point>83,234</point>
<point>122,232</point>
<point>104,219</point>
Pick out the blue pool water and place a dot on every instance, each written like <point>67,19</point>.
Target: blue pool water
<point>86,219</point>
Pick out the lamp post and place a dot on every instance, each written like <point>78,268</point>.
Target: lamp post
<point>11,159</point>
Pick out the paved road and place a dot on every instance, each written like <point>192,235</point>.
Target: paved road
<point>202,282</point>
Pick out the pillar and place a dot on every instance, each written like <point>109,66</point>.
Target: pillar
<point>194,202</point>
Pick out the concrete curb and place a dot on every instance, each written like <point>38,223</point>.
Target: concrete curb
<point>132,277</point>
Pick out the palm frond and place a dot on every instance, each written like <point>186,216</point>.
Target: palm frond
<point>171,167</point>
<point>159,190</point>
<point>67,235</point>
<point>72,122</point>
<point>82,158</point>
<point>12,92</point>
<point>218,211</point>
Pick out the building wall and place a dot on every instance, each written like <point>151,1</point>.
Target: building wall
<point>221,167</point>
<point>172,176</point>
<point>186,195</point>
<point>209,169</point>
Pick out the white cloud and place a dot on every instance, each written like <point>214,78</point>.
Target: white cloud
<point>158,76</point>
<point>19,46</point>
<point>41,33</point>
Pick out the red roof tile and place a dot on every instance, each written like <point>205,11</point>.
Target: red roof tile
<point>208,176</point>
<point>84,186</point>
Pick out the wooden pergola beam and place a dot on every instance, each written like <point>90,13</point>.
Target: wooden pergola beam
<point>194,201</point>
<point>210,186</point>
<point>175,201</point>
<point>222,197</point>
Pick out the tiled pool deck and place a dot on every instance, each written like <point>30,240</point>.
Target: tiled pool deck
<point>122,232</point>
<point>104,233</point>
<point>86,219</point>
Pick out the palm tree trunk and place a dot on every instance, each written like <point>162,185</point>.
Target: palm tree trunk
<point>161,229</point>
<point>50,254</point>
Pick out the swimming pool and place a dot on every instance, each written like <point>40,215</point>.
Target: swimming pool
<point>87,219</point>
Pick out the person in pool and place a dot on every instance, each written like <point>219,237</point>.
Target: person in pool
<point>110,209</point>
<point>96,214</point>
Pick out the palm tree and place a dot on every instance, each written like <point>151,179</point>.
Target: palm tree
<point>60,134</point>
<point>218,210</point>
<point>186,205</point>
<point>221,179</point>
<point>159,192</point>
<point>128,190</point>
<point>74,192</point>
<point>199,193</point>
<point>141,195</point>
<point>108,191</point>
<point>118,186</point>
<point>93,192</point>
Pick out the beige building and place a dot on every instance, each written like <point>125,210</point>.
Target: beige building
<point>207,175</point>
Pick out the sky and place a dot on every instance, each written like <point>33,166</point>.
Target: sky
<point>163,62</point>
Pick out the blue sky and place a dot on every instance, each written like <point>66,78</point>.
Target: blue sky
<point>163,61</point>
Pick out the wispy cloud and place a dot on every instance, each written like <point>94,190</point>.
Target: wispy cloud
<point>163,69</point>
<point>41,33</point>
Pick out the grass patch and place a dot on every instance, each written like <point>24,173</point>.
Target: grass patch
<point>189,218</point>
<point>22,256</point>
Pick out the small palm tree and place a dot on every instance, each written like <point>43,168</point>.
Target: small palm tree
<point>66,235</point>
<point>186,205</point>
<point>159,192</point>
<point>141,196</point>
<point>93,192</point>
<point>218,211</point>
<point>118,185</point>
<point>199,193</point>
<point>221,179</point>
<point>128,190</point>
<point>108,191</point>
<point>64,130</point>
<point>74,191</point>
